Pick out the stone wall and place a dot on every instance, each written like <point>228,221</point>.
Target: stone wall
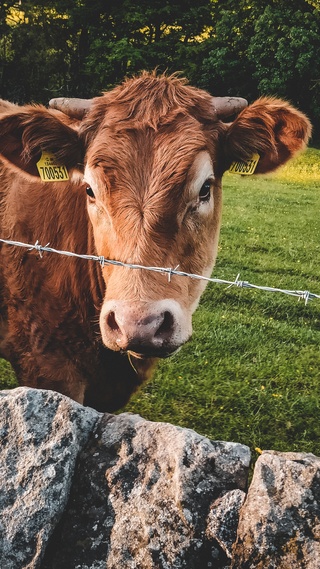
<point>82,490</point>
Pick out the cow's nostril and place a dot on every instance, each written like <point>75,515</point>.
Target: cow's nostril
<point>166,326</point>
<point>152,329</point>
<point>111,321</point>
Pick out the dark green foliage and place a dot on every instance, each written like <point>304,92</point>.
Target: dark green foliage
<point>81,47</point>
<point>266,47</point>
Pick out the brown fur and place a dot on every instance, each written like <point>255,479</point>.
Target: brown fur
<point>270,127</point>
<point>140,141</point>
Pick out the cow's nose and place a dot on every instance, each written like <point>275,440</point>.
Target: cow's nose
<point>151,329</point>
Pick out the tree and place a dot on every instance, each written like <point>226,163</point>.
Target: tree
<point>285,53</point>
<point>161,33</point>
<point>236,47</point>
<point>36,58</point>
<point>266,47</point>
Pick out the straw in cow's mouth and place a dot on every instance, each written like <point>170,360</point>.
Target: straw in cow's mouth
<point>163,355</point>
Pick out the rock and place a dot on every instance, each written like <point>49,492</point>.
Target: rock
<point>81,490</point>
<point>141,496</point>
<point>223,519</point>
<point>279,525</point>
<point>41,434</point>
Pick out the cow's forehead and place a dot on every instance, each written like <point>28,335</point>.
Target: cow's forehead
<point>150,112</point>
<point>165,153</point>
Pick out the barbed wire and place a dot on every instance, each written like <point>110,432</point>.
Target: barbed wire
<point>301,294</point>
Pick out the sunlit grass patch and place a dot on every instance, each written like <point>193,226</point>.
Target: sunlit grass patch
<point>305,167</point>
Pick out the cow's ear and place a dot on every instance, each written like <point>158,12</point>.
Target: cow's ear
<point>26,132</point>
<point>269,127</point>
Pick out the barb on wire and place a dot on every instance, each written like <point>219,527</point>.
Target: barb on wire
<point>301,294</point>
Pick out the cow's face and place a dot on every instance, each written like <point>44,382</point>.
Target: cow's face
<point>154,156</point>
<point>154,200</point>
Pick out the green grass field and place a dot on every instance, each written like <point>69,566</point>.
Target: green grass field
<point>251,371</point>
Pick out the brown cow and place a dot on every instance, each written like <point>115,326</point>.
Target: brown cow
<point>151,154</point>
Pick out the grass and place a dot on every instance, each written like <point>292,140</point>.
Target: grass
<point>251,371</point>
<point>7,377</point>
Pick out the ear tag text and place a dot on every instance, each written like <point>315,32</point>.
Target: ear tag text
<point>245,167</point>
<point>49,170</point>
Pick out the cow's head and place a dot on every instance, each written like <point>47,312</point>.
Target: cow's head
<point>154,151</point>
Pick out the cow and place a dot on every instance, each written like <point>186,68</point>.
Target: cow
<point>145,162</point>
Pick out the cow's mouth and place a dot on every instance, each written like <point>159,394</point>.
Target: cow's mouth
<point>153,354</point>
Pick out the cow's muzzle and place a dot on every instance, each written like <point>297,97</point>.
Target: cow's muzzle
<point>146,329</point>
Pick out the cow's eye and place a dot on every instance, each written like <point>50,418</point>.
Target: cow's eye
<point>90,192</point>
<point>205,192</point>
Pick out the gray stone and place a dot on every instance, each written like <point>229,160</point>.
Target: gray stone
<point>223,519</point>
<point>279,525</point>
<point>41,434</point>
<point>141,497</point>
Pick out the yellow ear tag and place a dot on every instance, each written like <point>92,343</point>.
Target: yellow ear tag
<point>245,167</point>
<point>49,170</point>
